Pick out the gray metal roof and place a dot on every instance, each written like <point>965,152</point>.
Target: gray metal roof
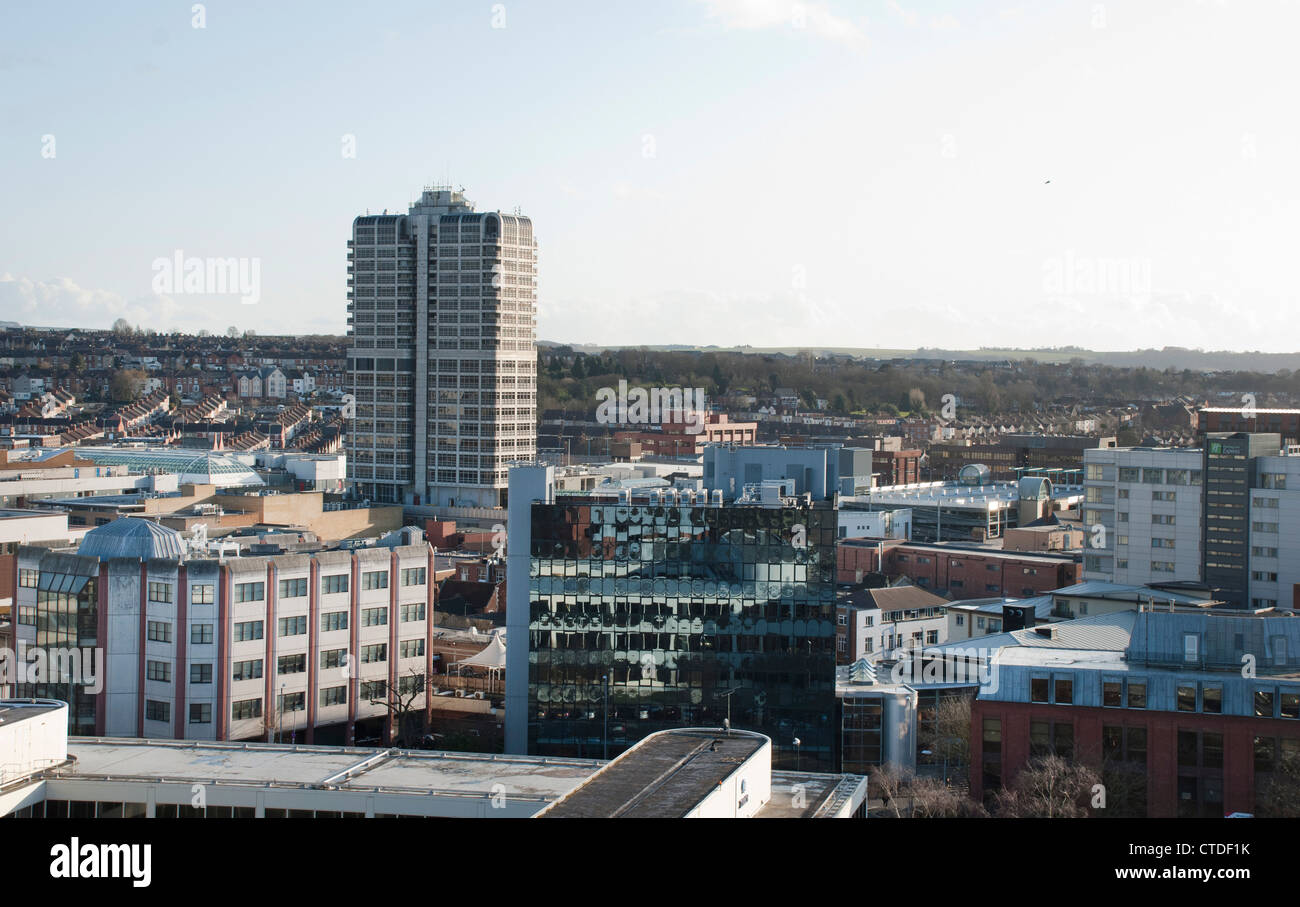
<point>133,538</point>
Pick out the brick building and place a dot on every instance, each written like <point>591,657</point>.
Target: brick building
<point>960,571</point>
<point>1154,700</point>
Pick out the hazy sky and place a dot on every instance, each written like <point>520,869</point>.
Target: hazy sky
<point>846,172</point>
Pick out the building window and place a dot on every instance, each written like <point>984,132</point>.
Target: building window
<point>247,670</point>
<point>248,630</point>
<point>200,713</point>
<point>414,576</point>
<point>160,592</point>
<point>201,634</point>
<point>28,578</point>
<point>333,620</point>
<point>333,658</point>
<point>203,593</point>
<point>411,648</point>
<point>1051,737</point>
<point>412,612</point>
<point>991,753</point>
<point>1137,695</point>
<point>201,673</point>
<point>374,654</point>
<point>335,583</point>
<point>1038,689</point>
<point>293,588</point>
<point>245,709</point>
<point>1212,698</point>
<point>161,671</point>
<point>374,690</point>
<point>1064,690</point>
<point>333,696</point>
<point>159,631</point>
<point>374,617</point>
<point>250,592</point>
<point>1112,694</point>
<point>293,626</point>
<point>291,664</point>
<point>293,702</point>
<point>157,711</point>
<point>1187,697</point>
<point>1124,744</point>
<point>375,579</point>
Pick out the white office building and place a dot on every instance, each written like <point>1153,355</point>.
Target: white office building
<point>1147,503</point>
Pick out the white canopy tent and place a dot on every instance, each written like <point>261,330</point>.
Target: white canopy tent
<point>493,658</point>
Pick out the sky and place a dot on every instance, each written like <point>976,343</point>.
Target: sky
<point>835,173</point>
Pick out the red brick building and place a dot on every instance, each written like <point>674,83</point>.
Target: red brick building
<point>960,572</point>
<point>675,440</point>
<point>1221,780</point>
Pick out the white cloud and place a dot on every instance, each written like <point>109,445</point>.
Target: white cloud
<point>61,302</point>
<point>796,15</point>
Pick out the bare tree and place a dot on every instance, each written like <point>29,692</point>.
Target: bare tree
<point>932,799</point>
<point>1048,787</point>
<point>1126,790</point>
<point>1278,797</point>
<point>399,700</point>
<point>904,795</point>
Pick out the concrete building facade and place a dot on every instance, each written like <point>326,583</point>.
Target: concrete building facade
<point>443,358</point>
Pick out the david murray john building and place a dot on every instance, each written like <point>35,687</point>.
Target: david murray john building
<point>443,360</point>
<point>675,610</point>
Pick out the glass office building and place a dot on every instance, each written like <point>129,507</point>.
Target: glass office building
<point>67,629</point>
<point>650,616</point>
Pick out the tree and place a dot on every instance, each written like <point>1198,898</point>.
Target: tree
<point>407,720</point>
<point>77,363</point>
<point>1278,797</point>
<point>232,331</point>
<point>122,328</point>
<point>905,796</point>
<point>126,385</point>
<point>1048,787</point>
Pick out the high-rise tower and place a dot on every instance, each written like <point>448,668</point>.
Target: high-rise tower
<point>443,359</point>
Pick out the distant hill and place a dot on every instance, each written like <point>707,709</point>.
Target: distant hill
<point>1168,357</point>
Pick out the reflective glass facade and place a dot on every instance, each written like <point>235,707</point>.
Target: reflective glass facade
<point>67,617</point>
<point>672,613</point>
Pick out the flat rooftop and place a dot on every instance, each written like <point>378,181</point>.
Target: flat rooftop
<point>13,712</point>
<point>664,777</point>
<point>324,767</point>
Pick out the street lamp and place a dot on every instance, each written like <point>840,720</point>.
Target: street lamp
<point>797,743</point>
